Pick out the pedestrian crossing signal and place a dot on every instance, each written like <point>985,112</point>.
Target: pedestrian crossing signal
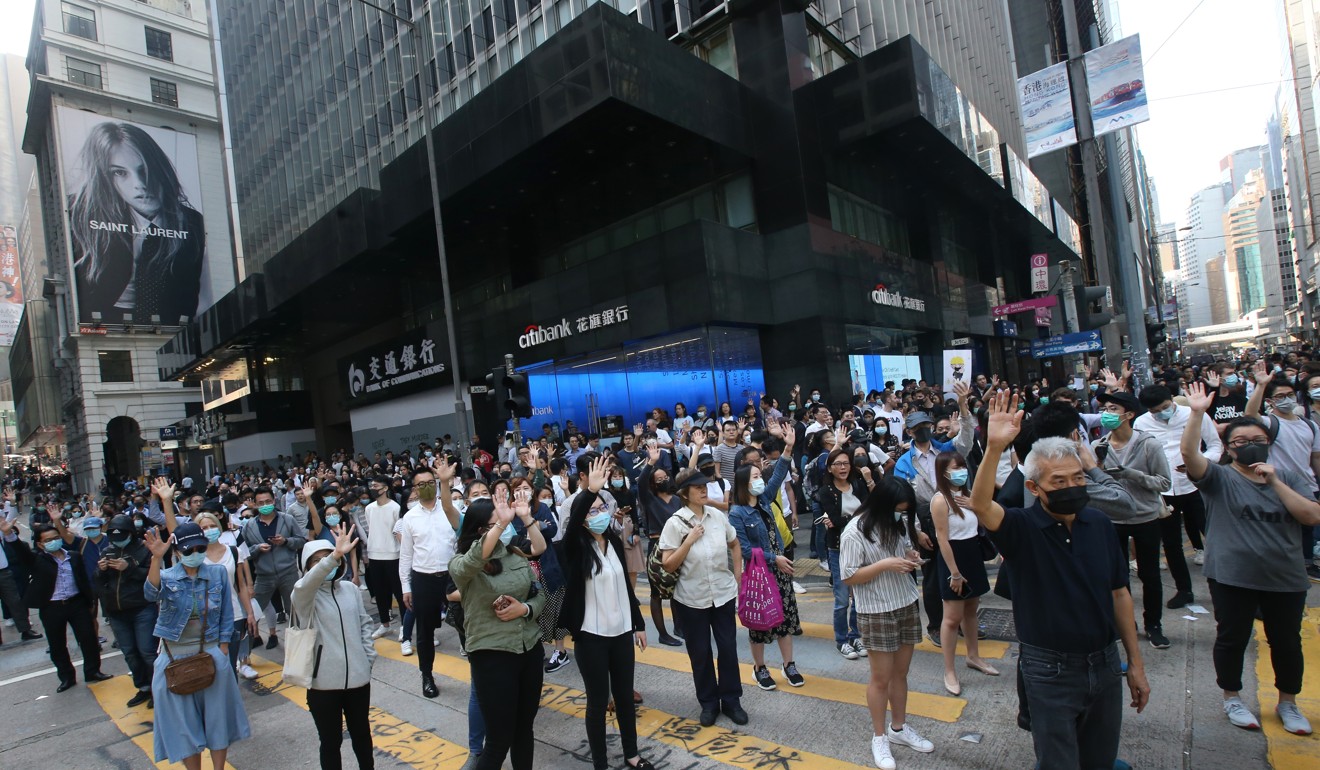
<point>518,395</point>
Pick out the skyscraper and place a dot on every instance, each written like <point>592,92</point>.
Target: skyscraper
<point>1201,242</point>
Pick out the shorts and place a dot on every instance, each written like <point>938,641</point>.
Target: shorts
<point>886,631</point>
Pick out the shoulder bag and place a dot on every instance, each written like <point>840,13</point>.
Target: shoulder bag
<point>185,676</point>
<point>300,643</point>
<point>662,581</point>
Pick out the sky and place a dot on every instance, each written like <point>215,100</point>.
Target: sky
<point>1212,67</point>
<point>1230,54</point>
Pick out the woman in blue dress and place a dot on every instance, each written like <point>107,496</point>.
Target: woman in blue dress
<point>195,613</point>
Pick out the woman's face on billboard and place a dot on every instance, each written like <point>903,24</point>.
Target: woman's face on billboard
<point>130,175</point>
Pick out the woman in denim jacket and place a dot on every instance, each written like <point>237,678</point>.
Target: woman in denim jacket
<point>752,518</point>
<point>194,603</point>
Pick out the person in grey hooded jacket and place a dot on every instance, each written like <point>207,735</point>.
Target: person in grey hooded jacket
<point>345,651</point>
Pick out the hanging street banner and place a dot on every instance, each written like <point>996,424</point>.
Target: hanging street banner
<point>1045,101</point>
<point>1117,84</point>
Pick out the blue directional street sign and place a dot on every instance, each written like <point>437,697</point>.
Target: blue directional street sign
<point>1063,344</point>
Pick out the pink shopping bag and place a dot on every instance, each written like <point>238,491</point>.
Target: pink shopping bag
<point>760,607</point>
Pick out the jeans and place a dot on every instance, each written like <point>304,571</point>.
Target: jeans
<point>279,586</point>
<point>239,644</point>
<point>845,616</point>
<point>476,723</point>
<point>331,709</point>
<point>607,664</point>
<point>133,630</point>
<point>699,625</point>
<point>1076,702</point>
<point>408,620</point>
<point>508,684</point>
<point>1147,539</point>
<point>1235,615</point>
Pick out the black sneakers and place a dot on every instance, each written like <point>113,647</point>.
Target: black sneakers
<point>1157,638</point>
<point>763,678</point>
<point>791,673</point>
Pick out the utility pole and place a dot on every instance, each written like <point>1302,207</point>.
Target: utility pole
<point>517,423</point>
<point>1127,275</point>
<point>1069,298</point>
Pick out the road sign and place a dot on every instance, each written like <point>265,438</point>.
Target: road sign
<point>999,311</point>
<point>1063,344</point>
<point>1040,273</point>
<point>478,390</point>
<point>1005,328</point>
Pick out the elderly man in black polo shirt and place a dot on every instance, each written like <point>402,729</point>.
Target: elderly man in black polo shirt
<point>1070,600</point>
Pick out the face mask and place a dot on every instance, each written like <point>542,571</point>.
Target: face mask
<point>1314,393</point>
<point>1110,421</point>
<point>330,499</point>
<point>1251,454</point>
<point>756,487</point>
<point>1285,404</point>
<point>192,559</point>
<point>1067,501</point>
<point>958,477</point>
<point>701,415</point>
<point>122,543</point>
<point>665,486</point>
<point>881,430</point>
<point>616,483</point>
<point>1231,380</point>
<point>430,454</point>
<point>506,536</point>
<point>1167,414</point>
<point>52,546</point>
<point>364,501</point>
<point>921,435</point>
<point>598,523</point>
<point>212,534</point>
<point>1094,387</point>
<point>92,533</point>
<point>266,510</point>
<point>792,407</point>
<point>708,472</point>
<point>137,523</point>
<point>332,520</point>
<point>898,515</point>
<point>427,495</point>
<point>1044,400</point>
<point>941,437</point>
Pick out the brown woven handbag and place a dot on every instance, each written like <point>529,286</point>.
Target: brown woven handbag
<point>194,673</point>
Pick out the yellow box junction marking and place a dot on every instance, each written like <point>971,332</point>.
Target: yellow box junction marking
<point>138,722</point>
<point>1284,750</point>
<point>402,740</point>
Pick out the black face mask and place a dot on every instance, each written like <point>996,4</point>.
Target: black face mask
<point>709,472</point>
<point>1250,454</point>
<point>1067,501</point>
<point>921,435</point>
<point>941,437</point>
<point>666,487</point>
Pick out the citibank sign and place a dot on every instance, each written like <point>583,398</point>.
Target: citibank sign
<point>535,334</point>
<point>883,296</point>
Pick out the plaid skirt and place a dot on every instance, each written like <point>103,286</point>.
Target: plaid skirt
<point>886,631</point>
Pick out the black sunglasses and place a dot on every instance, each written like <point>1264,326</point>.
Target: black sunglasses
<point>192,549</point>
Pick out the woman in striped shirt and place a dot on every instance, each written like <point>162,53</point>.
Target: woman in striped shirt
<point>876,560</point>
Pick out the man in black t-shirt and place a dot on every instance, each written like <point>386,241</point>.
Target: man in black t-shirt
<point>1230,400</point>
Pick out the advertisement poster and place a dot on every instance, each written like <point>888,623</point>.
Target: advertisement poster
<point>957,368</point>
<point>138,241</point>
<point>1047,115</point>
<point>11,286</point>
<point>871,372</point>
<point>1117,84</point>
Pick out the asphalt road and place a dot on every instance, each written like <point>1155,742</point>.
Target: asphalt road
<point>821,726</point>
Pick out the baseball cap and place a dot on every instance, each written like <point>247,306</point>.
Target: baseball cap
<point>704,459</point>
<point>918,418</point>
<point>187,535</point>
<point>93,521</point>
<point>1124,399</point>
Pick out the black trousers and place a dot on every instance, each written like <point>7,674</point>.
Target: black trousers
<point>13,602</point>
<point>383,578</point>
<point>699,625</point>
<point>508,689</point>
<point>75,613</point>
<point>429,603</point>
<point>1171,534</point>
<point>930,592</point>
<point>1192,510</point>
<point>1147,538</point>
<point>607,664</point>
<point>331,709</point>
<point>1235,617</point>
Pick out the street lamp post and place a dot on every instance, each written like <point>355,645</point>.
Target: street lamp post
<point>431,119</point>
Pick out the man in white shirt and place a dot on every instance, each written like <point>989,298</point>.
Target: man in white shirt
<point>427,542</point>
<point>1165,420</point>
<point>821,419</point>
<point>379,518</point>
<point>892,412</point>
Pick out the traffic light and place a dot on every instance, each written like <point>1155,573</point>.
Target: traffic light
<point>494,381</point>
<point>1087,317</point>
<point>517,395</point>
<point>1155,335</point>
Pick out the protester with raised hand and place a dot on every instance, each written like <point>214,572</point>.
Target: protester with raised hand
<point>1070,599</point>
<point>1254,561</point>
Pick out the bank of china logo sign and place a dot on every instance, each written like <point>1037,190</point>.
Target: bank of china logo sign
<point>536,334</point>
<point>356,380</point>
<point>883,296</point>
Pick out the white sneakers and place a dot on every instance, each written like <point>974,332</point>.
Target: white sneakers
<point>246,671</point>
<point>798,588</point>
<point>405,647</point>
<point>380,631</point>
<point>1293,721</point>
<point>880,751</point>
<point>1240,715</point>
<point>910,738</point>
<point>1199,558</point>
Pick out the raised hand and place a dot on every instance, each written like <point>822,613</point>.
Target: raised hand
<point>961,390</point>
<point>444,470</point>
<point>1198,398</point>
<point>1261,372</point>
<point>599,474</point>
<point>6,526</point>
<point>699,439</point>
<point>790,436</point>
<point>1111,380</point>
<point>344,540</point>
<point>775,429</point>
<point>653,454</point>
<point>1212,379</point>
<point>163,488</point>
<point>154,544</point>
<point>503,511</point>
<point>1005,420</point>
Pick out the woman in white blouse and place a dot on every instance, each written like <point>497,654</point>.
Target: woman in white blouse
<point>696,543</point>
<point>876,560</point>
<point>603,615</point>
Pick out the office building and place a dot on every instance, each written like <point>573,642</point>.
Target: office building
<point>756,204</point>
<point>129,257</point>
<point>1201,241</point>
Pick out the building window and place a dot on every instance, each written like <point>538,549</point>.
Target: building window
<point>116,365</point>
<point>79,21</point>
<point>717,51</point>
<point>84,73</point>
<point>164,92</point>
<point>159,44</point>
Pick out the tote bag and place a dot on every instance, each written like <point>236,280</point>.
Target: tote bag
<point>760,607</point>
<point>299,652</point>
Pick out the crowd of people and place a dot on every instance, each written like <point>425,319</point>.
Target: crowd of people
<point>904,494</point>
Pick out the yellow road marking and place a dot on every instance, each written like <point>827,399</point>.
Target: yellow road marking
<point>1286,751</point>
<point>920,704</point>
<point>137,723</point>
<point>406,742</point>
<point>718,743</point>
